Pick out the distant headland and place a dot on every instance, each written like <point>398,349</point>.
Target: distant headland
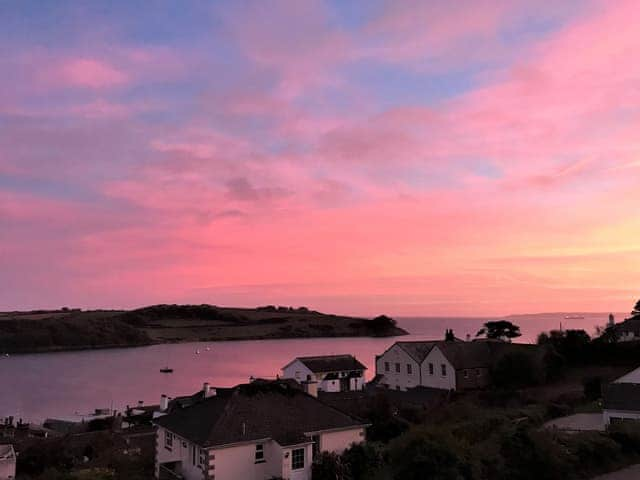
<point>75,329</point>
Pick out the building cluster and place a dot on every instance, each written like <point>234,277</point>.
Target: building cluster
<point>276,428</point>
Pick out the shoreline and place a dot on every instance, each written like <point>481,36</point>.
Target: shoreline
<point>250,338</point>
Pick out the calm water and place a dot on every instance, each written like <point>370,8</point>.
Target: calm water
<point>72,384</point>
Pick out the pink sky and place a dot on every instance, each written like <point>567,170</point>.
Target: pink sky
<point>408,158</point>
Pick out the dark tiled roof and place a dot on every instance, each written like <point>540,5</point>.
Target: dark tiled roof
<point>629,325</point>
<point>462,355</point>
<point>332,363</point>
<point>622,396</point>
<point>255,411</point>
<point>417,350</point>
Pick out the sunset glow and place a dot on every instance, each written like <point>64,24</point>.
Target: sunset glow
<point>400,157</point>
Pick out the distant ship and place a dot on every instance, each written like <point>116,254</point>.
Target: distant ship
<point>574,317</point>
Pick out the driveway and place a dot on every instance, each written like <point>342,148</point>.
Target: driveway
<point>580,422</point>
<point>631,473</point>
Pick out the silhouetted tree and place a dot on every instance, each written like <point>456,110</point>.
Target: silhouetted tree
<point>499,330</point>
<point>636,309</point>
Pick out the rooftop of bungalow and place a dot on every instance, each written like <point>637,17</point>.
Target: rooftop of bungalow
<point>330,363</point>
<point>260,410</point>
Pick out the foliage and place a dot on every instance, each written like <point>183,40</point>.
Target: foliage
<point>499,330</point>
<point>573,345</point>
<point>592,387</point>
<point>330,466</point>
<point>382,324</point>
<point>421,454</point>
<point>636,309</point>
<point>514,370</point>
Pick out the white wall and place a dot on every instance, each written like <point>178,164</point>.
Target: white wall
<point>631,377</point>
<point>392,378</point>
<point>238,462</point>
<point>329,386</point>
<point>8,469</point>
<point>608,414</point>
<point>181,451</point>
<point>337,442</point>
<point>437,380</point>
<point>298,371</point>
<point>356,383</point>
<point>302,474</point>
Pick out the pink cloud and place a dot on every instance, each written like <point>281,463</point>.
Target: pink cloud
<point>91,73</point>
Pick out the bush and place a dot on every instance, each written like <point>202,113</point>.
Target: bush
<point>514,370</point>
<point>592,387</point>
<point>421,454</point>
<point>329,466</point>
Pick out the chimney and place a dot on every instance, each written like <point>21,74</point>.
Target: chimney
<point>310,387</point>
<point>164,403</point>
<point>208,391</point>
<point>468,337</point>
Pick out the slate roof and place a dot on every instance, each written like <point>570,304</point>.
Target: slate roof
<point>622,396</point>
<point>332,363</point>
<point>465,355</point>
<point>629,325</point>
<point>253,412</point>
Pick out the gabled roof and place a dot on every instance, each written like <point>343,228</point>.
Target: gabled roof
<point>622,396</point>
<point>463,355</point>
<point>631,324</point>
<point>332,363</point>
<point>253,412</point>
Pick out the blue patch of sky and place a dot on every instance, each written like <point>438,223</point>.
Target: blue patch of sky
<point>394,85</point>
<point>48,188</point>
<point>484,168</point>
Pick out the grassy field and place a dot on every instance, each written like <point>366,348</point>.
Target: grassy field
<point>67,329</point>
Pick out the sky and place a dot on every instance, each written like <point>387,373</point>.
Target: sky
<point>359,157</point>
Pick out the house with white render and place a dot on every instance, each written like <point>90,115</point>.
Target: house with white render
<point>330,373</point>
<point>622,399</point>
<point>7,462</point>
<point>255,431</point>
<point>444,364</point>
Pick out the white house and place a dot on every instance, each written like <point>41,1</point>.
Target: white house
<point>255,431</point>
<point>332,373</point>
<point>629,330</point>
<point>7,462</point>
<point>622,399</point>
<point>448,365</point>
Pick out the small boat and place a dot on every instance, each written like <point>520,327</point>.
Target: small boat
<point>574,317</point>
<point>208,349</point>
<point>197,352</point>
<point>166,370</point>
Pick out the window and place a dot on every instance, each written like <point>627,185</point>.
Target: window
<point>203,458</point>
<point>444,370</point>
<point>259,453</point>
<point>315,449</point>
<point>297,459</point>
<point>466,374</point>
<point>386,366</point>
<point>409,371</point>
<point>431,369</point>
<point>397,367</point>
<point>168,440</point>
<point>193,454</point>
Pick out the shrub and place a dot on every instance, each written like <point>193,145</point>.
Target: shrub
<point>421,454</point>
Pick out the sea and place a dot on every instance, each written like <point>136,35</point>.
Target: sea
<point>72,385</point>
